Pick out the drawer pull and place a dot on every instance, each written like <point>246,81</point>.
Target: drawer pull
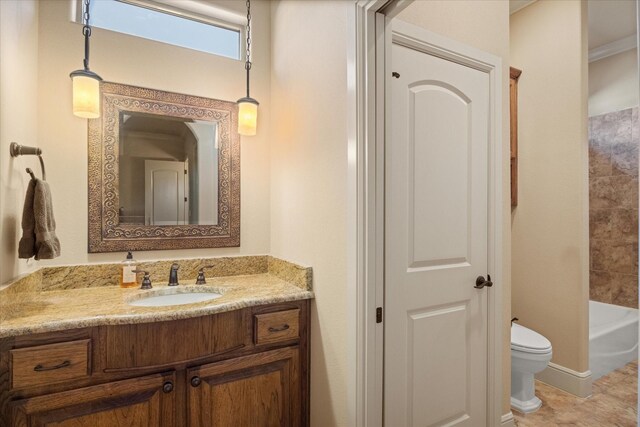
<point>40,368</point>
<point>276,326</point>
<point>280,329</point>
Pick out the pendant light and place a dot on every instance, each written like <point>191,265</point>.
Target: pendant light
<point>86,83</point>
<point>247,106</point>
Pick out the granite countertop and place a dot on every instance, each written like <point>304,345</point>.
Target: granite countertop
<point>47,310</point>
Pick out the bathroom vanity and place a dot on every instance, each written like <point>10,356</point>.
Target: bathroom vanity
<point>228,349</point>
<point>87,357</point>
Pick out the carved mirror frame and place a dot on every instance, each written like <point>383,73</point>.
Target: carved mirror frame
<point>106,234</point>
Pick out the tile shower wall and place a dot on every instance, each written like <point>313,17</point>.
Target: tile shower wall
<point>613,207</point>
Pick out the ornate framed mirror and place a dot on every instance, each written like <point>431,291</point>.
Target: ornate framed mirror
<point>164,171</point>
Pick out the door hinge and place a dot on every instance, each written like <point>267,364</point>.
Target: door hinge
<point>185,199</point>
<point>379,315</point>
<point>185,171</point>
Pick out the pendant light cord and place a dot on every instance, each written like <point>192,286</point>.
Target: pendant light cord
<point>247,64</point>
<point>86,31</point>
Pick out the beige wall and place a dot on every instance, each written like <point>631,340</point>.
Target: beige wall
<point>309,180</point>
<point>18,121</point>
<point>613,83</point>
<point>483,25</point>
<point>63,137</point>
<point>550,226</point>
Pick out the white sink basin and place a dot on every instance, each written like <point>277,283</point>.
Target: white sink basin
<point>174,299</point>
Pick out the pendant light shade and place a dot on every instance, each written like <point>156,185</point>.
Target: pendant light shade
<point>247,116</point>
<point>247,106</point>
<point>86,94</point>
<point>86,83</point>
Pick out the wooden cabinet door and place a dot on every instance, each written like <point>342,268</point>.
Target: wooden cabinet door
<point>141,402</point>
<point>260,390</point>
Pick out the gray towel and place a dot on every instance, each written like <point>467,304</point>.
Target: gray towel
<point>38,224</point>
<point>27,245</point>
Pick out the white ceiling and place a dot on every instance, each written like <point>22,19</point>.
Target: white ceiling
<point>609,20</point>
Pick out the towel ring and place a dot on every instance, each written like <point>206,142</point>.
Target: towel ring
<point>16,150</point>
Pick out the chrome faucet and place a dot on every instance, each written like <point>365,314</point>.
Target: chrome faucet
<point>173,275</point>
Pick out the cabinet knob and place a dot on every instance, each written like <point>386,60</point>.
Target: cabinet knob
<point>195,381</point>
<point>167,387</point>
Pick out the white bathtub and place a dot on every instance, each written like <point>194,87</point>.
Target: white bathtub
<point>613,337</point>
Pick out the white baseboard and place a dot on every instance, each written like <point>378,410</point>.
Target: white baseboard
<point>576,383</point>
<point>507,420</point>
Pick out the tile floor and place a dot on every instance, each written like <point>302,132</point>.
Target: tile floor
<point>613,404</point>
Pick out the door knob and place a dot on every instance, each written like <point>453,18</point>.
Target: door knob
<point>481,283</point>
<point>195,381</point>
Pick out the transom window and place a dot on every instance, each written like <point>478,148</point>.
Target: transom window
<point>166,25</point>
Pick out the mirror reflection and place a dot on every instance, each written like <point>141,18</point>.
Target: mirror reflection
<point>168,170</point>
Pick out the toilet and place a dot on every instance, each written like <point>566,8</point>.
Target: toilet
<point>530,354</point>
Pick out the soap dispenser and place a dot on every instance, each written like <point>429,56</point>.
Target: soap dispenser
<point>128,277</point>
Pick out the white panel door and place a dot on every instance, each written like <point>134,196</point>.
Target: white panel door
<point>165,192</point>
<point>436,225</point>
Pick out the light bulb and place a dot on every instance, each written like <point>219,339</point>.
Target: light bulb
<point>86,94</point>
<point>247,116</point>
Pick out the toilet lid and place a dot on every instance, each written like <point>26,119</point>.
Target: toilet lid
<point>524,339</point>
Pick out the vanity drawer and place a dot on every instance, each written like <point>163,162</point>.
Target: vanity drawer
<point>161,345</point>
<point>49,364</point>
<point>276,326</point>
